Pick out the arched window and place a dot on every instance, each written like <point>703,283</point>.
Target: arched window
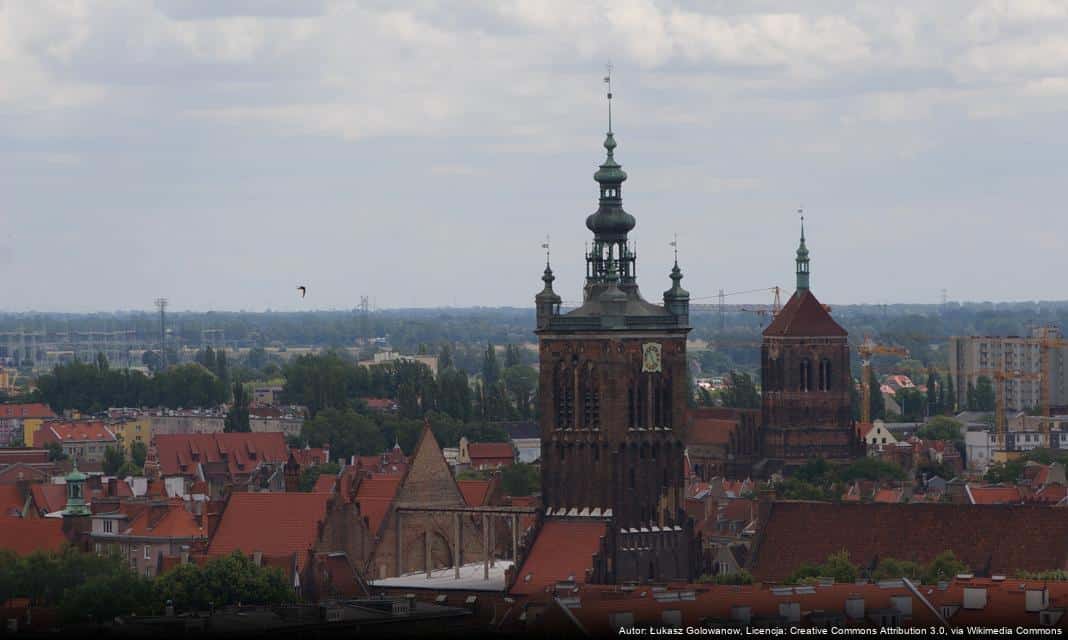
<point>805,382</point>
<point>565,397</point>
<point>591,403</point>
<point>825,375</point>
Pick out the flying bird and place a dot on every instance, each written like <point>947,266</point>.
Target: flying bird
<point>303,291</point>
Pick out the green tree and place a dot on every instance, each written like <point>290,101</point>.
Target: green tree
<point>114,458</point>
<point>912,402</point>
<point>891,569</point>
<point>934,383</point>
<point>346,431</point>
<point>138,453</point>
<point>950,404</point>
<point>101,362</point>
<point>970,397</point>
<point>941,428</point>
<point>521,383</point>
<point>55,452</point>
<point>837,566</point>
<point>445,359</point>
<point>103,597</point>
<point>222,582</point>
<point>520,479</point>
<point>454,394</point>
<point>238,417</point>
<point>491,368</point>
<point>740,577</point>
<point>512,357</point>
<point>944,567</point>
<point>984,394</point>
<point>257,358</point>
<point>878,403</point>
<point>310,475</point>
<point>317,381</point>
<point>741,392</point>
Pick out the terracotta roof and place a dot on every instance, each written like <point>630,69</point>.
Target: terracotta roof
<point>997,538</point>
<point>11,501</point>
<point>888,496</point>
<point>804,316</point>
<point>494,450</point>
<point>309,456</point>
<point>25,455</point>
<point>994,494</point>
<point>81,431</point>
<point>168,520</point>
<point>379,403</point>
<point>276,524</point>
<point>740,510</point>
<point>49,498</point>
<point>475,491</point>
<point>1049,494</point>
<point>374,495</point>
<point>325,484</point>
<point>24,536</point>
<point>563,550</point>
<point>26,410</point>
<point>180,453</point>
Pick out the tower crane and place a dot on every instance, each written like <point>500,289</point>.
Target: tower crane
<point>866,350</point>
<point>1000,376</point>
<point>1050,339</point>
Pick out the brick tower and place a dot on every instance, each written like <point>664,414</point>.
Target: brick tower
<point>805,375</point>
<point>613,394</point>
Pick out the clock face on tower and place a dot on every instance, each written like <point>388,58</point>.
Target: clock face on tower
<point>651,352</point>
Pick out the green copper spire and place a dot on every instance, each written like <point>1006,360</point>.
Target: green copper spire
<point>802,258</point>
<point>76,493</point>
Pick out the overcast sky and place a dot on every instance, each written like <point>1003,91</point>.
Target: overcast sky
<point>221,152</point>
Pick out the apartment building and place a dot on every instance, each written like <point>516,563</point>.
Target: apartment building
<point>973,356</point>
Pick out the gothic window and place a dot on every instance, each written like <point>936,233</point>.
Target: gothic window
<point>825,375</point>
<point>805,382</point>
<point>565,397</point>
<point>591,403</point>
<point>665,403</point>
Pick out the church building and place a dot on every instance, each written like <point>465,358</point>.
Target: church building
<point>613,394</point>
<point>805,379</point>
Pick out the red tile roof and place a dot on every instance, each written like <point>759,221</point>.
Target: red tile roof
<point>563,550</point>
<point>374,495</point>
<point>49,498</point>
<point>168,520</point>
<point>26,410</point>
<point>997,538</point>
<point>325,484</point>
<point>24,455</point>
<point>11,501</point>
<point>243,452</point>
<point>81,431</point>
<point>994,494</point>
<point>276,524</point>
<point>490,450</point>
<point>803,315</point>
<point>888,496</point>
<point>475,491</point>
<point>24,536</point>
<point>309,456</point>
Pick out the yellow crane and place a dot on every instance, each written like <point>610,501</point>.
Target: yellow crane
<point>1050,339</point>
<point>866,350</point>
<point>1000,376</point>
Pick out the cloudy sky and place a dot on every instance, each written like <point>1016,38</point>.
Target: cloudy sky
<point>221,152</point>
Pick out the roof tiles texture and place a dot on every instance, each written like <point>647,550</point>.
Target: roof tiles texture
<point>180,453</point>
<point>275,524</point>
<point>24,536</point>
<point>563,550</point>
<point>995,539</point>
<point>490,450</point>
<point>804,316</point>
<point>475,491</point>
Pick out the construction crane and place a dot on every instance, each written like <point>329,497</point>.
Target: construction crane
<point>866,350</point>
<point>721,302</point>
<point>1050,339</point>
<point>1000,376</point>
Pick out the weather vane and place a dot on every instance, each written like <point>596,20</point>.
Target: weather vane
<point>608,81</point>
<point>801,212</point>
<point>675,244</point>
<point>545,246</point>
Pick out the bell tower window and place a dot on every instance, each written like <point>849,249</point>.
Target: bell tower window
<point>805,381</point>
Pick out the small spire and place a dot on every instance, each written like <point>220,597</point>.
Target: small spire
<point>608,81</point>
<point>675,245</point>
<point>802,257</point>
<point>546,247</point>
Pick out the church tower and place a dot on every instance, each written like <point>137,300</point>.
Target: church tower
<point>612,396</point>
<point>805,376</point>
